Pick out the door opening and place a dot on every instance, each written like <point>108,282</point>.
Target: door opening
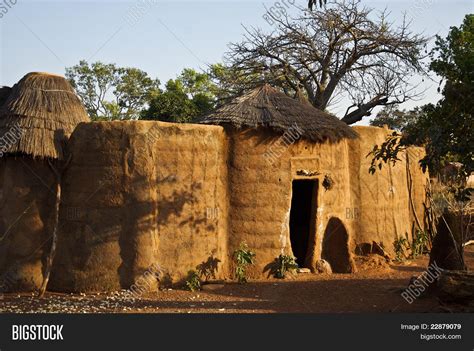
<point>303,217</point>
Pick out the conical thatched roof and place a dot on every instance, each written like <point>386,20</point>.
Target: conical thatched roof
<point>44,110</point>
<point>268,107</point>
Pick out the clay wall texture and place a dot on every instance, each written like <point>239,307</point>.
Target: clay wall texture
<point>137,194</point>
<point>142,194</point>
<point>26,205</point>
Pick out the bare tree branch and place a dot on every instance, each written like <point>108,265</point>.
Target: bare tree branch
<point>343,49</point>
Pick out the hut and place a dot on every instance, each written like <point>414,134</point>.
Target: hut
<point>300,184</point>
<point>289,178</point>
<point>36,120</point>
<point>267,170</point>
<point>267,107</point>
<point>141,197</point>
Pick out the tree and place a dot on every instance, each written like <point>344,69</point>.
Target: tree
<point>452,116</point>
<point>341,50</point>
<point>229,82</point>
<point>394,118</point>
<point>133,91</point>
<point>446,129</point>
<point>129,89</point>
<point>191,95</point>
<point>172,105</point>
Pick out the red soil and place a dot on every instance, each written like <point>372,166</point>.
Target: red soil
<point>375,288</point>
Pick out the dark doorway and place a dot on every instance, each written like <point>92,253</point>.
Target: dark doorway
<point>336,247</point>
<point>303,217</point>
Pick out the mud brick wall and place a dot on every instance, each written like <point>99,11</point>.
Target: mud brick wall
<point>138,194</point>
<point>26,205</point>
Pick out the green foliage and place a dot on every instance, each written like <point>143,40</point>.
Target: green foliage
<point>110,92</point>
<point>243,257</point>
<point>400,245</point>
<point>230,82</point>
<point>387,152</point>
<point>193,282</point>
<point>133,91</point>
<point>189,96</point>
<point>206,270</point>
<point>446,129</point>
<point>452,58</point>
<point>173,105</point>
<point>419,245</point>
<point>284,264</point>
<point>394,118</point>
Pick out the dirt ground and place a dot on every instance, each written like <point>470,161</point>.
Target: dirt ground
<point>377,287</point>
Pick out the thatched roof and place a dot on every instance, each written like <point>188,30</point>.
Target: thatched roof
<point>45,109</point>
<point>4,92</point>
<point>270,108</point>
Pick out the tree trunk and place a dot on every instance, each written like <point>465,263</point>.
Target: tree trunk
<point>55,223</point>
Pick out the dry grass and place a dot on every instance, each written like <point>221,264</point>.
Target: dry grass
<point>46,109</point>
<point>444,200</point>
<point>268,107</point>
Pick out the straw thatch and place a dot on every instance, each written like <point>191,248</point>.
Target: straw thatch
<point>268,107</point>
<point>45,110</point>
<point>4,92</point>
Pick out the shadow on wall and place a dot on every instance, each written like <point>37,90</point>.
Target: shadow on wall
<point>174,205</point>
<point>208,269</point>
<point>165,209</point>
<point>25,213</point>
<point>336,247</point>
<point>87,234</point>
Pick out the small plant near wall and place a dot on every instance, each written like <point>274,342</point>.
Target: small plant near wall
<point>400,245</point>
<point>419,246</point>
<point>284,264</point>
<point>193,282</point>
<point>328,182</point>
<point>243,257</point>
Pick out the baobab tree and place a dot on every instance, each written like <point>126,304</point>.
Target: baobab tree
<point>345,50</point>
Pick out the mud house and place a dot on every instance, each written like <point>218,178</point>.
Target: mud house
<point>299,183</point>
<point>264,169</point>
<point>36,118</point>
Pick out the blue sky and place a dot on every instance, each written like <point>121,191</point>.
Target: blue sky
<point>167,37</point>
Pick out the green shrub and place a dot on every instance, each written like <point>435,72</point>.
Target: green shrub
<point>417,247</point>
<point>400,245</point>
<point>419,244</point>
<point>193,282</point>
<point>243,257</point>
<point>284,264</point>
